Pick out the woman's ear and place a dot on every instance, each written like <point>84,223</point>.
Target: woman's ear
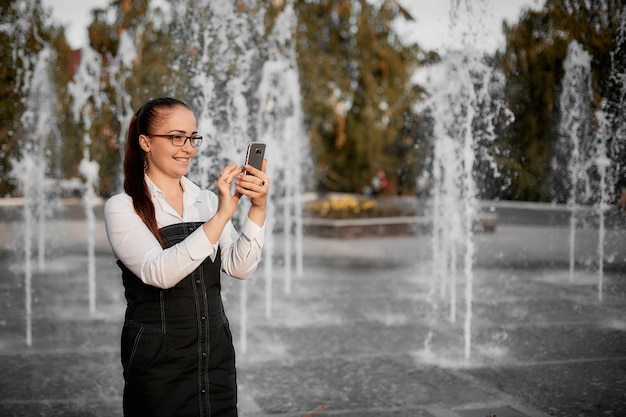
<point>144,143</point>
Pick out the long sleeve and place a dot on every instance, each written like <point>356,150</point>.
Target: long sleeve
<point>241,257</point>
<point>140,251</point>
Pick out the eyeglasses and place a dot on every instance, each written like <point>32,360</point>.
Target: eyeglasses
<point>181,140</point>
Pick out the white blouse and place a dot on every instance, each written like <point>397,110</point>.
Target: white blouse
<point>138,249</point>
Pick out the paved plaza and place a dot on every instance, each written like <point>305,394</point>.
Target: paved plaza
<point>359,333</point>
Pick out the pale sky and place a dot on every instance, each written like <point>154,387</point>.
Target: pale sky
<point>431,30</point>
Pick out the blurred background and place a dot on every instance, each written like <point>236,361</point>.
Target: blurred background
<point>358,66</point>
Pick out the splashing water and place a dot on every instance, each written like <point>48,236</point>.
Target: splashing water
<point>588,159</point>
<point>226,39</point>
<point>88,97</point>
<point>120,70</point>
<point>35,84</point>
<point>460,100</point>
<point>576,134</point>
<point>280,125</point>
<point>602,163</point>
<point>246,91</point>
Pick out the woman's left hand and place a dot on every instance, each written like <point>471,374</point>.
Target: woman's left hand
<point>255,184</point>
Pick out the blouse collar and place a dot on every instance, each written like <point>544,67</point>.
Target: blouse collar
<point>190,190</point>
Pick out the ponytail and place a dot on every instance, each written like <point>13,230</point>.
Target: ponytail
<point>135,159</point>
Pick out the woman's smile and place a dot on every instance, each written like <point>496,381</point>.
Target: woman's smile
<point>183,159</point>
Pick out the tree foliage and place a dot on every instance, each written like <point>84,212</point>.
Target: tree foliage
<point>125,85</point>
<point>357,95</point>
<point>24,29</point>
<point>533,64</point>
<point>355,75</point>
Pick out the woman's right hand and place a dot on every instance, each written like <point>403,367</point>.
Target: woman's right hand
<point>227,204</point>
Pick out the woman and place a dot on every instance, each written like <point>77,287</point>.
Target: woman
<point>172,240</point>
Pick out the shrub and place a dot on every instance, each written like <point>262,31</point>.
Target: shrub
<point>347,206</point>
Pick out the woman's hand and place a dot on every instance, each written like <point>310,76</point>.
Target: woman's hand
<point>255,184</point>
<point>227,204</point>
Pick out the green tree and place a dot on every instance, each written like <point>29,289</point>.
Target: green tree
<point>24,30</point>
<point>533,63</point>
<point>70,147</point>
<point>615,108</point>
<point>125,84</point>
<point>357,98</point>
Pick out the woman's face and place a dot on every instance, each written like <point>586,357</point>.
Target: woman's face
<point>164,159</point>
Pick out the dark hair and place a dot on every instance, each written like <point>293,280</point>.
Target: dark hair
<point>142,123</point>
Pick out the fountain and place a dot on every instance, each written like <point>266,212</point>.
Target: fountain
<point>280,125</point>
<point>250,93</point>
<point>323,333</point>
<point>218,90</point>
<point>235,104</point>
<point>460,100</point>
<point>461,108</point>
<point>88,99</point>
<point>602,163</point>
<point>584,149</point>
<point>610,147</point>
<point>238,100</point>
<point>576,133</point>
<point>34,80</point>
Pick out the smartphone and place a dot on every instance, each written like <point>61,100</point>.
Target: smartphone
<point>255,155</point>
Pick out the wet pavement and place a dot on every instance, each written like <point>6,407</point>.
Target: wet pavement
<point>359,334</point>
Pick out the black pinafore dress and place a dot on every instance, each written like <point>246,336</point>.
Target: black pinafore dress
<point>177,350</point>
